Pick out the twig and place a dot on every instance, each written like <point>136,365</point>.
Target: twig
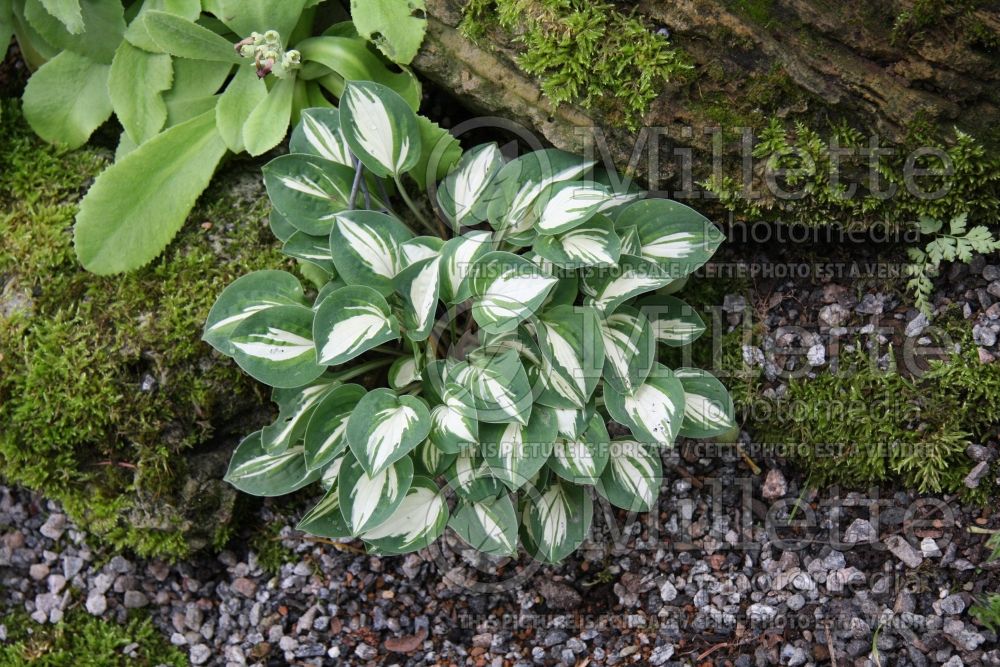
<point>339,546</point>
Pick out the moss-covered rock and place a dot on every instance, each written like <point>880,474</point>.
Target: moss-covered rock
<point>109,401</point>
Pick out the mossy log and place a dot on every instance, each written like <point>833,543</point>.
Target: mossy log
<point>879,66</point>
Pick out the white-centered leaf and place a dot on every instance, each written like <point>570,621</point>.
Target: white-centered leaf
<point>365,248</point>
<point>419,285</point>
<point>419,520</point>
<point>380,127</point>
<point>674,236</point>
<point>492,388</point>
<point>506,289</point>
<point>350,321</point>
<point>471,478</point>
<point>461,193</point>
<point>606,289</point>
<point>594,243</point>
<point>556,520</point>
<point>308,190</point>
<point>419,248</point>
<point>632,477</point>
<point>275,346</point>
<point>433,461</point>
<point>515,452</point>
<point>570,204</point>
<point>489,526</point>
<point>654,411</point>
<point>708,408</point>
<point>325,518</point>
<point>458,255</point>
<point>582,459</point>
<point>452,430</point>
<point>673,321</point>
<point>384,427</point>
<point>325,437</point>
<point>254,471</point>
<point>403,372</point>
<point>295,407</point>
<point>630,349</point>
<point>319,134</point>
<point>245,296</point>
<point>569,338</point>
<point>368,500</point>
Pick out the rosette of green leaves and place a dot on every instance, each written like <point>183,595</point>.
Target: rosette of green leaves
<point>493,357</point>
<point>172,74</point>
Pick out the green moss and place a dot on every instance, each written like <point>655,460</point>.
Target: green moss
<point>758,11</point>
<point>948,17</point>
<point>81,640</point>
<point>106,390</point>
<point>584,52</point>
<point>271,551</point>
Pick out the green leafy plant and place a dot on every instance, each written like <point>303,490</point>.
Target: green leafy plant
<point>987,609</point>
<point>185,97</point>
<point>506,344</point>
<point>956,244</point>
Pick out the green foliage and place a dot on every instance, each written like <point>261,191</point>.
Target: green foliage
<point>585,52</point>
<point>81,640</point>
<point>506,344</point>
<point>76,349</point>
<point>987,610</point>
<point>973,187</point>
<point>930,18</point>
<point>957,244</point>
<point>164,70</point>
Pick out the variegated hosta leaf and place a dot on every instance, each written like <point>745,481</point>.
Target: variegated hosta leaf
<point>594,243</point>
<point>708,408</point>
<point>489,526</point>
<point>654,411</point>
<point>276,346</point>
<point>403,372</point>
<point>254,471</point>
<point>572,423</point>
<point>365,248</point>
<point>245,296</point>
<point>351,321</point>
<point>674,322</point>
<point>432,460</point>
<point>312,249</point>
<point>295,407</point>
<point>581,460</point>
<point>326,290</point>
<point>556,520</point>
<point>522,342</point>
<point>461,194</point>
<point>325,518</point>
<point>629,349</point>
<point>631,244</point>
<point>319,134</point>
<point>673,235</point>
<point>368,500</point>
<point>567,205</point>
<point>506,289</point>
<point>331,472</point>
<point>419,520</point>
<point>492,388</point>
<point>567,287</point>
<point>515,452</point>
<point>452,430</point>
<point>471,478</point>
<point>520,182</point>
<point>326,433</point>
<point>458,255</point>
<point>572,348</point>
<point>632,477</point>
<point>419,248</point>
<point>380,127</point>
<point>606,289</point>
<point>384,427</point>
<point>419,285</point>
<point>308,191</point>
<point>280,227</point>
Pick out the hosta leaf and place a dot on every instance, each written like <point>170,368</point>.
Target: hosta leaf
<point>419,285</point>
<point>366,501</point>
<point>318,133</point>
<point>708,408</point>
<point>594,243</point>
<point>384,427</point>
<point>419,520</point>
<point>673,321</point>
<point>471,479</point>
<point>632,477</point>
<point>556,520</point>
<point>506,289</point>
<point>494,388</point>
<point>330,473</point>
<point>452,430</point>
<point>136,82</point>
<point>606,289</point>
<point>243,94</point>
<point>403,372</point>
<point>312,249</point>
<point>432,460</point>
<point>163,178</point>
<point>572,349</point>
<point>489,526</point>
<point>365,246</point>
<point>520,182</point>
<point>309,191</point>
<point>275,346</point>
<point>254,471</point>
<point>397,28</point>
<point>350,321</point>
<point>631,244</point>
<point>325,437</point>
<point>458,255</point>
<point>325,518</point>
<point>67,99</point>
<point>567,205</point>
<point>671,234</point>
<point>380,127</point>
<point>419,248</point>
<point>581,460</point>
<point>461,194</point>
<point>654,411</point>
<point>245,296</point>
<point>295,408</point>
<point>573,423</point>
<point>515,452</point>
<point>630,349</point>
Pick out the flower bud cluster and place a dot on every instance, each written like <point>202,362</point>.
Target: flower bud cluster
<point>268,54</point>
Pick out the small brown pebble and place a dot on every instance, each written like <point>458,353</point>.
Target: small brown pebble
<point>206,226</point>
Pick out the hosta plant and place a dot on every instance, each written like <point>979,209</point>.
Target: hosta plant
<point>190,81</point>
<point>464,370</point>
